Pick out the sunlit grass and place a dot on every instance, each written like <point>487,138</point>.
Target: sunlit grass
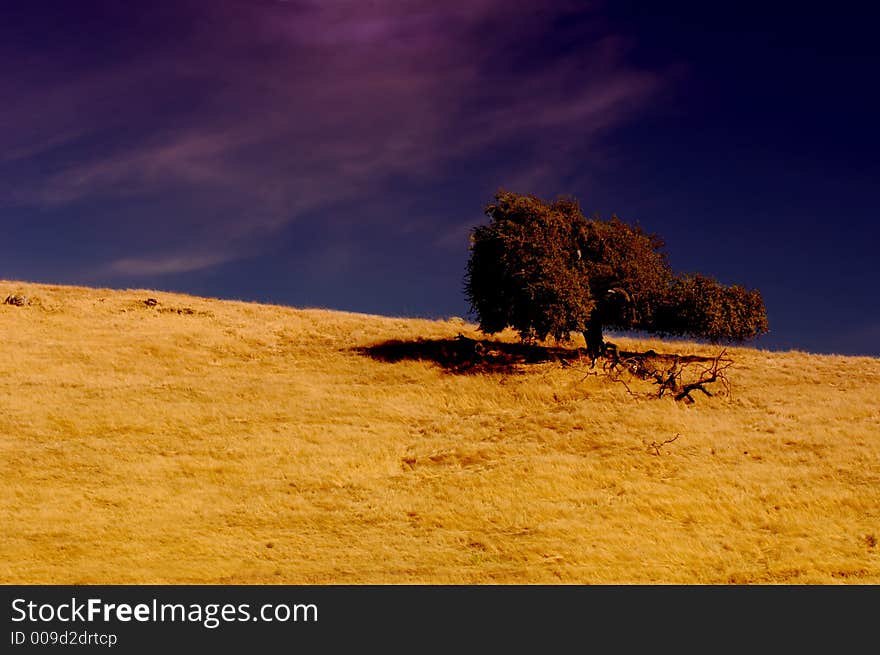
<point>242,443</point>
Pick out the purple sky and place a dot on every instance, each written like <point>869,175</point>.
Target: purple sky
<point>337,153</point>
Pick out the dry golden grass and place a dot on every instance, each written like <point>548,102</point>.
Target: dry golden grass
<point>245,443</point>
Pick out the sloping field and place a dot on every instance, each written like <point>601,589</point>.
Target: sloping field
<point>205,441</point>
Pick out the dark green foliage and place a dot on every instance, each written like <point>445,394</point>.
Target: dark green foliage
<point>628,272</point>
<point>545,270</point>
<point>524,270</point>
<point>701,307</point>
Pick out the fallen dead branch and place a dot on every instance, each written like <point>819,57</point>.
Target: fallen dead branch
<point>657,446</point>
<point>676,375</point>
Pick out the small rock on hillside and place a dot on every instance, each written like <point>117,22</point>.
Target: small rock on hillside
<point>17,300</point>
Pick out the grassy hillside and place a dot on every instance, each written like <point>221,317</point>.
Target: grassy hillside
<point>205,441</point>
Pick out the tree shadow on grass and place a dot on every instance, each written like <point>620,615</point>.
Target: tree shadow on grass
<point>464,355</point>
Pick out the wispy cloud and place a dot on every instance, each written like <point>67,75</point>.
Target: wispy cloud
<point>267,110</point>
<point>168,264</point>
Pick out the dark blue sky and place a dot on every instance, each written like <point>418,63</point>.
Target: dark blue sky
<point>335,154</point>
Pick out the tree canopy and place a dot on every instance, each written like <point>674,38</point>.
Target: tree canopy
<point>546,270</point>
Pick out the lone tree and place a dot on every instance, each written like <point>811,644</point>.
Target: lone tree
<point>546,270</point>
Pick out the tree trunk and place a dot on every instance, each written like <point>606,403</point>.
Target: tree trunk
<point>593,337</point>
